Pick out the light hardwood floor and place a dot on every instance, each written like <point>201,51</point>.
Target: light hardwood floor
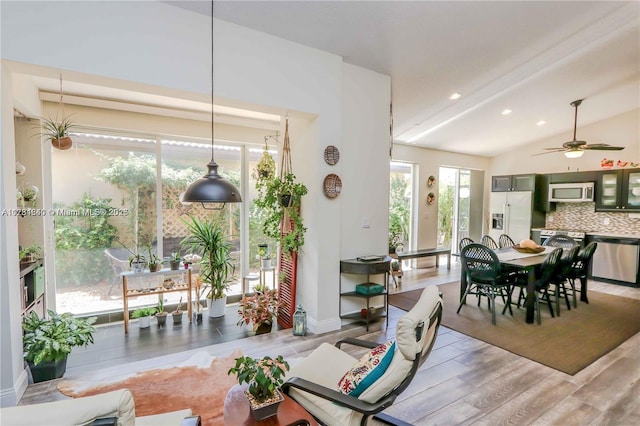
<point>465,381</point>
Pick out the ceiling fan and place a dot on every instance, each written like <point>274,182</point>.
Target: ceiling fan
<point>575,148</point>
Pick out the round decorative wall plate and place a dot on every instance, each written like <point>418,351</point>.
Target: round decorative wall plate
<point>331,155</point>
<point>431,181</point>
<point>332,185</point>
<point>431,197</point>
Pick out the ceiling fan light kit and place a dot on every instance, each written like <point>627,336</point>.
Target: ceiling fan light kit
<point>575,148</point>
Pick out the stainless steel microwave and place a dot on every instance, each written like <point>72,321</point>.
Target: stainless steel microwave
<point>571,192</point>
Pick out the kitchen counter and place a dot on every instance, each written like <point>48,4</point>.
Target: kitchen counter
<point>614,235</point>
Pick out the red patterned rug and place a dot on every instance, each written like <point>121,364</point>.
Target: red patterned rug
<point>201,388</point>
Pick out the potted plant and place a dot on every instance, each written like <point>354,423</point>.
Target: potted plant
<point>176,314</point>
<point>263,377</point>
<point>280,199</point>
<point>57,132</point>
<point>27,196</point>
<point>200,288</point>
<point>208,239</point>
<point>264,255</point>
<point>259,310</point>
<point>161,314</point>
<point>47,342</point>
<point>144,314</point>
<point>266,167</point>
<point>174,261</point>
<point>154,261</point>
<point>30,253</point>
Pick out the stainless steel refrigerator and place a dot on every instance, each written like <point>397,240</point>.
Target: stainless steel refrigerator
<point>512,213</point>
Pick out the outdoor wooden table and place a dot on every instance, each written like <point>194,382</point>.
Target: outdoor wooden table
<point>508,256</point>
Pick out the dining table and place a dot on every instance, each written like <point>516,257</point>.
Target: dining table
<point>511,258</point>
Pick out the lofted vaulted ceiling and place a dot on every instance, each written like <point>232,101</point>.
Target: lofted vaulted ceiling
<point>531,57</point>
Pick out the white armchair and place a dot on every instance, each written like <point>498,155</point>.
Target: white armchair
<point>314,381</point>
<point>112,408</point>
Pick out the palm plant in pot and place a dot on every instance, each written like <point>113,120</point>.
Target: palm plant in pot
<point>47,342</point>
<point>260,310</point>
<point>264,377</point>
<point>208,239</point>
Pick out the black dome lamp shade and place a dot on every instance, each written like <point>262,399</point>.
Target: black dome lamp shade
<point>212,188</point>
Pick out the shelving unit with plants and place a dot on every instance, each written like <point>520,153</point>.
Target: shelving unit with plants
<point>136,284</point>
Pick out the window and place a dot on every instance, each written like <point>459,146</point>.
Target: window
<point>115,196</point>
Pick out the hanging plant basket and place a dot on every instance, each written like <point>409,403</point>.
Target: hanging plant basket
<point>63,143</point>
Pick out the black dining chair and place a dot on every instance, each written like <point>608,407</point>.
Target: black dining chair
<point>505,241</point>
<point>581,268</point>
<point>485,277</point>
<point>464,242</point>
<point>487,241</point>
<point>543,278</point>
<point>562,241</point>
<point>561,278</point>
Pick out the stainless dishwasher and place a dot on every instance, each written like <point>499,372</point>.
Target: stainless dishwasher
<point>616,260</point>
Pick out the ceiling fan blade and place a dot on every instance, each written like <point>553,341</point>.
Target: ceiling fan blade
<point>555,149</point>
<point>603,147</point>
<point>549,152</point>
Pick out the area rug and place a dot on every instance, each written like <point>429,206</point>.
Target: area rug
<point>567,343</point>
<point>202,388</point>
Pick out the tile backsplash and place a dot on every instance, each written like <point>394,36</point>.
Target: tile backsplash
<point>583,217</point>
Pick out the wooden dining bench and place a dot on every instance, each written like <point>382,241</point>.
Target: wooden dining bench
<point>428,252</point>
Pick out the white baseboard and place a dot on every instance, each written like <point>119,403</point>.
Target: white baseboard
<point>325,326</point>
<point>10,397</point>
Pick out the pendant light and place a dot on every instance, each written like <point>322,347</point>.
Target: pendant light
<point>212,188</point>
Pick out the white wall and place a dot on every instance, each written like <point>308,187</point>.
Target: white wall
<point>165,50</point>
<point>428,162</point>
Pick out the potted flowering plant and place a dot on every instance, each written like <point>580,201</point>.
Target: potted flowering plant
<point>259,310</point>
<point>264,377</point>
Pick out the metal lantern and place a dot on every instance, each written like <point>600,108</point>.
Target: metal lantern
<point>299,321</point>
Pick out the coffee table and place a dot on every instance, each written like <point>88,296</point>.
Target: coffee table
<point>237,411</point>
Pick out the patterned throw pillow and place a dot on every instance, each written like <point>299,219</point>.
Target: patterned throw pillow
<point>369,368</point>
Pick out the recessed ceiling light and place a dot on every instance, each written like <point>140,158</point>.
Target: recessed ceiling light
<point>506,112</point>
<point>455,96</point>
<point>541,123</point>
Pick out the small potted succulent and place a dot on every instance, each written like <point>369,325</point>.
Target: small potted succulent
<point>161,314</point>
<point>176,315</point>
<point>174,261</point>
<point>263,376</point>
<point>47,342</point>
<point>265,256</point>
<point>144,314</point>
<point>259,310</point>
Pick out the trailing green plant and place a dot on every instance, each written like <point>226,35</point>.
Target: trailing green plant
<point>263,375</point>
<point>280,199</point>
<point>207,239</point>
<point>53,338</point>
<point>143,312</point>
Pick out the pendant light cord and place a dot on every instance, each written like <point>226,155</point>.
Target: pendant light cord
<point>212,114</point>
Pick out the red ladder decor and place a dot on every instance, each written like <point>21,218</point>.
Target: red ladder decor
<point>287,286</point>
